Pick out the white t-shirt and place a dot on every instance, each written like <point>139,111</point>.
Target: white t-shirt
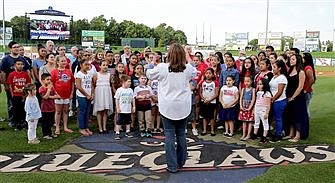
<point>174,94</point>
<point>275,81</point>
<point>208,89</point>
<point>262,99</point>
<point>125,96</point>
<point>228,93</point>
<point>86,83</point>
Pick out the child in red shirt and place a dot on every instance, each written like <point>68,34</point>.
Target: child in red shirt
<point>63,82</point>
<point>48,94</point>
<point>16,81</point>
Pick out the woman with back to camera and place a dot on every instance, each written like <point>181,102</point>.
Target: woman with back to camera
<point>174,93</point>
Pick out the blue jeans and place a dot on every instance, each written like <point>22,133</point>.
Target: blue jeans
<point>174,130</point>
<point>84,112</point>
<point>278,111</point>
<point>309,96</point>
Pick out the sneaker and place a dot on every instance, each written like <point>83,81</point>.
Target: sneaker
<point>275,140</point>
<point>34,141</point>
<point>11,124</point>
<point>220,127</point>
<point>195,132</point>
<point>225,134</point>
<point>185,131</point>
<point>203,133</point>
<point>143,134</point>
<point>213,134</point>
<point>71,113</point>
<point>230,135</point>
<point>2,119</point>
<point>47,137</point>
<point>149,134</point>
<point>117,136</point>
<point>129,135</point>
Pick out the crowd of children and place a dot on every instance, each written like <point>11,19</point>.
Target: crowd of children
<point>242,94</point>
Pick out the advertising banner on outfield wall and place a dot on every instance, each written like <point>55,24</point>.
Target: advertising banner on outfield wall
<point>92,38</point>
<point>235,41</point>
<point>312,40</point>
<point>8,35</point>
<point>273,39</point>
<point>299,40</point>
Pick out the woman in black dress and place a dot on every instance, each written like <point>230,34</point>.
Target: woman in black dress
<point>296,107</point>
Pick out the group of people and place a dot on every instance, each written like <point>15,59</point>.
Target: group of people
<point>178,87</point>
<point>261,88</point>
<point>265,88</point>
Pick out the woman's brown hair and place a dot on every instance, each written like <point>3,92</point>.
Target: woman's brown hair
<point>176,58</point>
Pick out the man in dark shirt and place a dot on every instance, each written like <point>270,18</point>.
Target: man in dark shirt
<point>7,66</point>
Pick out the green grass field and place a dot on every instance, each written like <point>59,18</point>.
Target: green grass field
<point>302,173</point>
<point>54,177</point>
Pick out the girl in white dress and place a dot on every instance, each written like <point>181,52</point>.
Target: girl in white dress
<point>103,102</point>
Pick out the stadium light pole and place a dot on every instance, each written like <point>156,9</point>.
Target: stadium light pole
<point>3,24</point>
<point>267,22</point>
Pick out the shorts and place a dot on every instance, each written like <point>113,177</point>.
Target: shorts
<point>143,107</point>
<point>123,119</point>
<point>228,114</point>
<point>191,116</point>
<point>62,101</point>
<point>207,111</point>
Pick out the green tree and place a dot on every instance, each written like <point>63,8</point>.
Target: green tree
<point>20,28</point>
<point>330,45</point>
<point>98,23</point>
<point>253,43</point>
<point>77,27</point>
<point>286,39</point>
<point>112,33</point>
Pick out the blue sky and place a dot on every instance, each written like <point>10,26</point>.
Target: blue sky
<point>285,16</point>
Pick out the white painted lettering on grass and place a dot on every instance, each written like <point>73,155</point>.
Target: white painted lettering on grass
<point>15,166</point>
<point>61,158</point>
<point>298,156</point>
<point>240,155</point>
<point>330,156</point>
<point>112,158</point>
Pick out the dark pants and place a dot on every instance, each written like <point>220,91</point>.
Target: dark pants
<point>47,120</point>
<point>9,107</point>
<point>39,98</point>
<point>18,112</point>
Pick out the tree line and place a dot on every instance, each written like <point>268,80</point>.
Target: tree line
<point>114,31</point>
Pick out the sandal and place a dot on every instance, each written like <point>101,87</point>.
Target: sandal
<point>57,133</point>
<point>203,133</point>
<point>287,137</point>
<point>68,130</point>
<point>294,140</point>
<point>84,133</point>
